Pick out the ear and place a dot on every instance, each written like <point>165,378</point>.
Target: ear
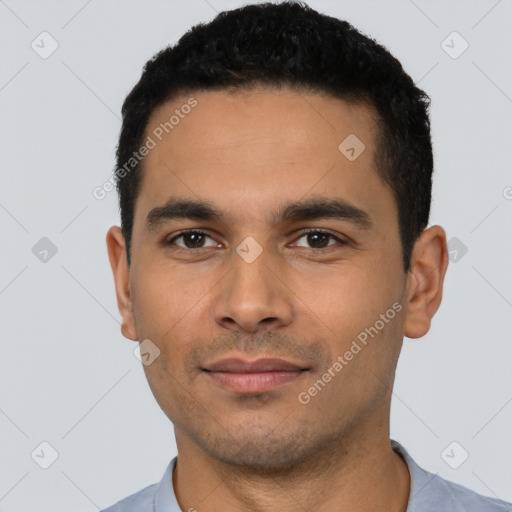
<point>429,262</point>
<point>117,255</point>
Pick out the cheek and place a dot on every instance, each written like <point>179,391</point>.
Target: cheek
<point>166,311</point>
<point>344,298</point>
<point>358,305</point>
<point>167,386</point>
<point>164,296</point>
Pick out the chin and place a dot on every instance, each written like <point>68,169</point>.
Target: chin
<point>260,450</point>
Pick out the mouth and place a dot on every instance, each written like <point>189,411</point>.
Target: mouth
<point>259,376</point>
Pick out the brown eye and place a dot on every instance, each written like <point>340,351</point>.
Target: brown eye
<point>316,239</point>
<point>192,239</point>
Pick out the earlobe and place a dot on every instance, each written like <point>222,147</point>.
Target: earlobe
<point>425,281</point>
<point>117,256</point>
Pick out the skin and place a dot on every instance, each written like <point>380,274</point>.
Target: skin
<point>301,300</point>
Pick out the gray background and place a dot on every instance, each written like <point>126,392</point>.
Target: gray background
<point>67,375</point>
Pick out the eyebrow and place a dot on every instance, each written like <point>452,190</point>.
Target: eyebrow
<point>302,210</point>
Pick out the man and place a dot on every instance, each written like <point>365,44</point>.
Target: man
<point>274,172</point>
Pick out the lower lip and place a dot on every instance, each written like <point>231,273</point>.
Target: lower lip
<point>253,382</point>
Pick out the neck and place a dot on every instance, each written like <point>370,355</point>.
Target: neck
<point>358,473</point>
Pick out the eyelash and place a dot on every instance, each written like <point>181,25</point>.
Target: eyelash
<point>204,233</point>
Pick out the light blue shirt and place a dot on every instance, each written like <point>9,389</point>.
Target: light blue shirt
<point>428,493</point>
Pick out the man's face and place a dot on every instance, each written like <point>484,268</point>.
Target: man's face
<point>254,286</point>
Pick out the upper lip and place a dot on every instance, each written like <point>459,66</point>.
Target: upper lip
<point>237,365</point>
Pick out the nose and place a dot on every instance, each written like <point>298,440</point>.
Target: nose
<point>252,296</point>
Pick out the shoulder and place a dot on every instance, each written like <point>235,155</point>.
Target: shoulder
<point>142,501</point>
<point>155,497</point>
<point>461,498</point>
<point>429,492</point>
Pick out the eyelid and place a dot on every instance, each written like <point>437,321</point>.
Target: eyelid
<point>170,240</point>
<point>306,231</point>
<point>298,236</point>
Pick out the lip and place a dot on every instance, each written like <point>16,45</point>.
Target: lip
<point>258,376</point>
<point>238,365</point>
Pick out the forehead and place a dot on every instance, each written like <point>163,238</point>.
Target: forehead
<point>250,150</point>
<point>294,120</point>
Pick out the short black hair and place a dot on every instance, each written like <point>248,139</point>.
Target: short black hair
<point>290,44</point>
